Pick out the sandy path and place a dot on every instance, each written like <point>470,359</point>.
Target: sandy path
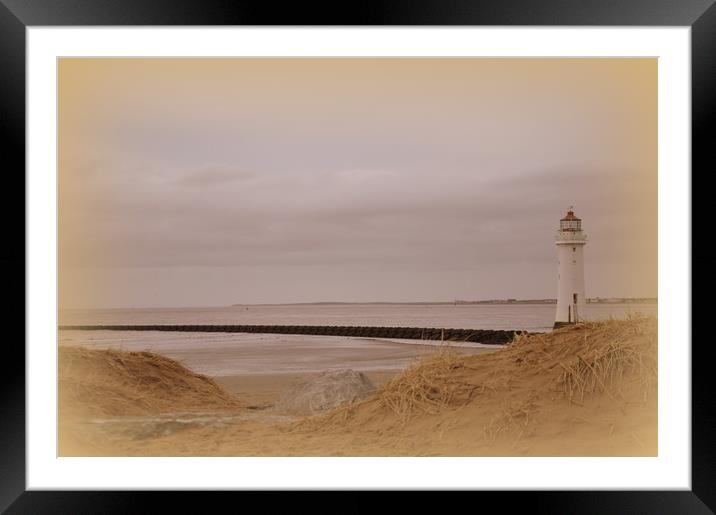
<point>260,390</point>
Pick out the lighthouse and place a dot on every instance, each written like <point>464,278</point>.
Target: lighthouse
<point>570,243</point>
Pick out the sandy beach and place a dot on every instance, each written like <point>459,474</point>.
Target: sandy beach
<point>586,390</point>
<point>262,366</point>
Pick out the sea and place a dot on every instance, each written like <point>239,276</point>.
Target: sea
<point>521,317</point>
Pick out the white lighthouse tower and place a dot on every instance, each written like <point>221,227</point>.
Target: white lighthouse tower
<point>570,294</point>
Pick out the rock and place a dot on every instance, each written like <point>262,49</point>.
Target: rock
<point>325,391</point>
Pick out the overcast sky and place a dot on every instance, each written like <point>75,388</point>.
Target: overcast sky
<point>213,182</point>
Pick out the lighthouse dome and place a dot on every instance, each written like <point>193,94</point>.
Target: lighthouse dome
<point>570,222</point>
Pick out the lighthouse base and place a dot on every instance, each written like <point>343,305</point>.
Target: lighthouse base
<point>557,325</point>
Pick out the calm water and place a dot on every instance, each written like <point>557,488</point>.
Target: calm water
<point>529,317</point>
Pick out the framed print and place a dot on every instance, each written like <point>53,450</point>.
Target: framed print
<point>421,252</point>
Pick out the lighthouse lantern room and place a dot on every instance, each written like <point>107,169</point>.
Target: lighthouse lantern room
<point>570,243</point>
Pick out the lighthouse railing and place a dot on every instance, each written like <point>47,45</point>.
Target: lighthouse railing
<point>571,236</point>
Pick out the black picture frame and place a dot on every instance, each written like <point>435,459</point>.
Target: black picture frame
<point>17,15</point>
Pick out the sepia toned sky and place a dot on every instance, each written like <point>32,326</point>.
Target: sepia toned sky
<point>208,182</point>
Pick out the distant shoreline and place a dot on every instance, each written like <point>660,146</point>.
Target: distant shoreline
<point>597,300</point>
<point>492,302</point>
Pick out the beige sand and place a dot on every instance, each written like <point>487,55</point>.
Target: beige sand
<point>588,390</point>
<point>262,390</point>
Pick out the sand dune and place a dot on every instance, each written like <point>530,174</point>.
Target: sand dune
<point>586,390</point>
<point>106,382</point>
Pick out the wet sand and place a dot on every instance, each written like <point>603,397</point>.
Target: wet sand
<point>260,367</point>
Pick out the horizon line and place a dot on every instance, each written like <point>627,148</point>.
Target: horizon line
<point>546,300</point>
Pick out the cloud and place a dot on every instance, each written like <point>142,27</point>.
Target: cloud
<point>463,170</point>
<point>220,215</point>
<point>212,175</point>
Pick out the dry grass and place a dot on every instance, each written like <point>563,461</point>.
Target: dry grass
<point>105,382</point>
<point>513,385</point>
<point>592,357</point>
<point>611,353</point>
<point>427,386</point>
